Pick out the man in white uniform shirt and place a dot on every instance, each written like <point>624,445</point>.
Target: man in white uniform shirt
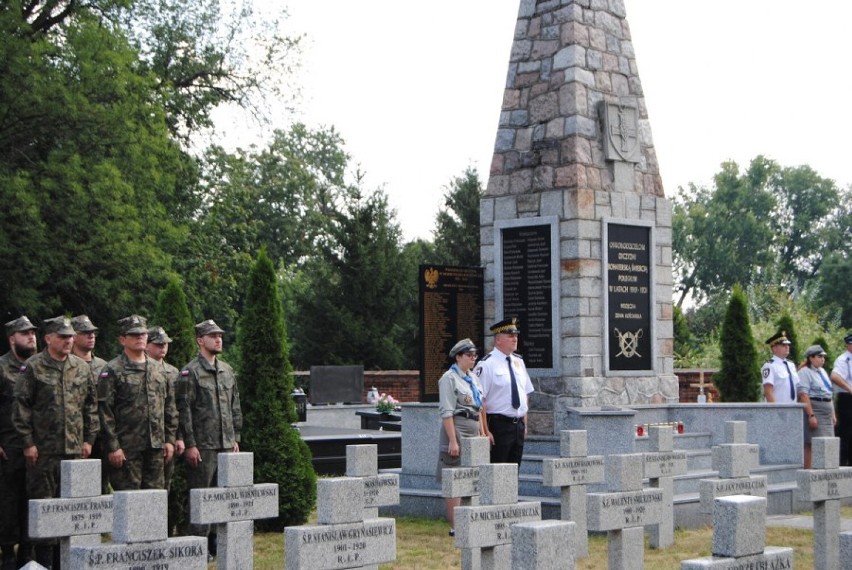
<point>779,374</point>
<point>505,386</point>
<point>843,371</point>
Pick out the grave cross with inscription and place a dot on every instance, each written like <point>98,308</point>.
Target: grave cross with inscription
<point>488,526</point>
<point>80,516</point>
<point>343,538</point>
<point>739,538</point>
<point>380,490</point>
<point>140,538</point>
<point>734,461</point>
<point>661,466</point>
<point>463,483</point>
<point>825,485</point>
<point>572,472</point>
<point>233,507</point>
<point>625,511</point>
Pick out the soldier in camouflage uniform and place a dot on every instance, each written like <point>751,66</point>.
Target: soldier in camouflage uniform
<point>85,337</point>
<point>136,403</point>
<point>56,414</point>
<point>157,349</point>
<point>210,415</point>
<point>13,470</point>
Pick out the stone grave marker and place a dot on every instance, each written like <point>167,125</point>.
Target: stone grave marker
<point>233,507</point>
<point>140,538</point>
<point>463,483</point>
<point>661,466</point>
<point>739,537</point>
<point>541,545</point>
<point>625,511</point>
<point>734,461</point>
<point>487,527</point>
<point>825,485</point>
<point>380,490</point>
<point>80,516</point>
<point>343,538</point>
<point>572,472</point>
<point>846,550</point>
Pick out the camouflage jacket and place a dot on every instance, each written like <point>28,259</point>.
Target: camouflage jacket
<point>56,407</point>
<point>10,369</point>
<point>97,366</point>
<point>209,405</point>
<point>136,404</point>
<point>172,375</point>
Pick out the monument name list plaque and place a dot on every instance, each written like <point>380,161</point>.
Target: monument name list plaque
<point>528,290</point>
<point>628,290</point>
<point>451,308</point>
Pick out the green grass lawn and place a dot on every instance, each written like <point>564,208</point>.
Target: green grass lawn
<point>423,544</point>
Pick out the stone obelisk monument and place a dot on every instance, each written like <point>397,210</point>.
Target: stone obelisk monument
<point>576,230</point>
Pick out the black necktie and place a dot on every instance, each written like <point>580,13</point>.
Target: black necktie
<point>790,379</point>
<point>516,398</point>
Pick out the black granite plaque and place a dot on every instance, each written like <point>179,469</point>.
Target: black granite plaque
<point>528,291</point>
<point>451,308</point>
<point>337,384</point>
<point>629,335</point>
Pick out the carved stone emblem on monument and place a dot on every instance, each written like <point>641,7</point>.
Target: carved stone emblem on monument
<point>621,132</point>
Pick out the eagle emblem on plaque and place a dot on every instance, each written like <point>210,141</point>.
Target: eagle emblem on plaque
<point>621,132</point>
<point>431,276</point>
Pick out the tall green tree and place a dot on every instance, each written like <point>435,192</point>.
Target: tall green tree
<point>172,313</point>
<point>738,380</point>
<point>456,236</point>
<point>786,324</point>
<point>266,383</point>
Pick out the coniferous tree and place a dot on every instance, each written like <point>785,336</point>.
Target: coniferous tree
<point>172,313</point>
<point>785,323</point>
<point>266,383</point>
<point>682,335</point>
<point>739,378</point>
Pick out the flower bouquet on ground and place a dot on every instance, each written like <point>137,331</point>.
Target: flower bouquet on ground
<point>386,404</point>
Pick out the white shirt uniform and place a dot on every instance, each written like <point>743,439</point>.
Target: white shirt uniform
<point>843,368</point>
<point>494,377</point>
<point>780,372</point>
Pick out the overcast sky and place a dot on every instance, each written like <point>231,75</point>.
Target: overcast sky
<point>415,88</point>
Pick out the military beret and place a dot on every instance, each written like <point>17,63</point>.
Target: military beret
<point>207,327</point>
<point>20,324</point>
<point>134,324</point>
<point>509,326</point>
<point>778,338</point>
<point>82,324</point>
<point>156,335</point>
<point>464,345</point>
<point>58,325</point>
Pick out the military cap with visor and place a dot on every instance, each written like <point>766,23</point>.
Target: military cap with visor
<point>508,326</point>
<point>848,338</point>
<point>83,324</point>
<point>157,335</point>
<point>815,350</point>
<point>207,327</point>
<point>778,338</point>
<point>134,324</point>
<point>58,325</point>
<point>462,346</point>
<point>21,324</point>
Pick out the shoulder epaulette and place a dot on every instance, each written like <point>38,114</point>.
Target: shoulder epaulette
<point>515,354</point>
<point>486,357</point>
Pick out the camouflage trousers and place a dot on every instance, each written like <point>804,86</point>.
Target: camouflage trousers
<point>202,477</point>
<point>141,470</point>
<point>13,497</point>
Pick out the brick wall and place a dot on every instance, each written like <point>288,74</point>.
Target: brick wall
<point>404,385</point>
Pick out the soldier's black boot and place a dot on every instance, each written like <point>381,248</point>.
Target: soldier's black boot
<point>44,555</point>
<point>8,557</point>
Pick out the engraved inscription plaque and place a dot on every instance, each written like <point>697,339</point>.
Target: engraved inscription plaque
<point>451,309</point>
<point>628,273</point>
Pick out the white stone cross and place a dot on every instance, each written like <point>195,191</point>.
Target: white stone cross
<point>380,490</point>
<point>661,467</point>
<point>734,461</point>
<point>571,472</point>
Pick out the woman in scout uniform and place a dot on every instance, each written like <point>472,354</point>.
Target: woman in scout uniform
<point>816,394</point>
<point>460,405</point>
